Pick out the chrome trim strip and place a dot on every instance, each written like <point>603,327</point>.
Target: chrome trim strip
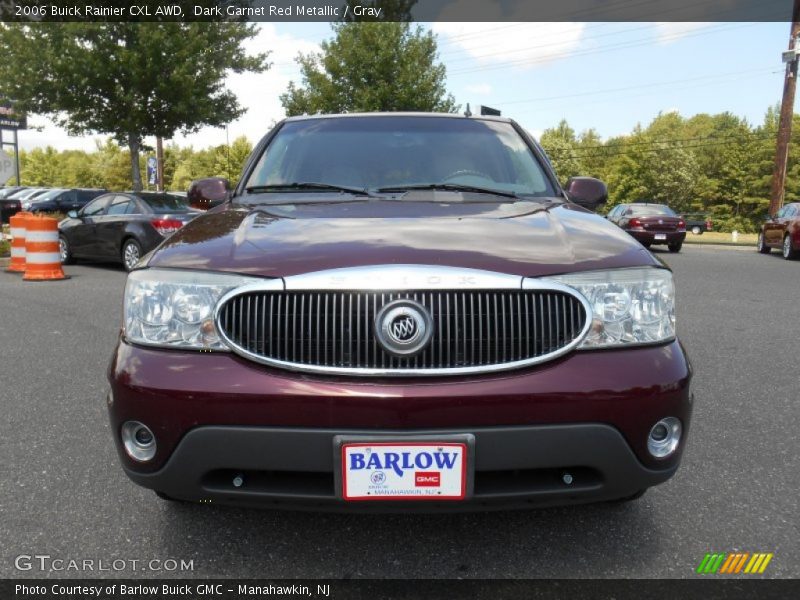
<point>415,274</point>
<point>403,277</point>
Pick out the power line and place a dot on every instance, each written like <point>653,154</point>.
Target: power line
<point>634,94</point>
<point>638,86</point>
<point>750,135</point>
<point>554,34</point>
<point>667,147</point>
<point>602,49</point>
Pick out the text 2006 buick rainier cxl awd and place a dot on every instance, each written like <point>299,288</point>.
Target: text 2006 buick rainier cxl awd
<point>400,312</point>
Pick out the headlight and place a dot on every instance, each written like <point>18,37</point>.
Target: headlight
<point>176,308</point>
<point>629,306</point>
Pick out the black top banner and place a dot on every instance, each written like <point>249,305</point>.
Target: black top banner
<point>396,589</point>
<point>398,10</point>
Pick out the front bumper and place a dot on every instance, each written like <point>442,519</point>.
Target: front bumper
<point>216,415</point>
<point>514,467</point>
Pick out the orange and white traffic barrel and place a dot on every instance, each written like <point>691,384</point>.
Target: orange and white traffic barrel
<point>42,256</point>
<point>17,223</point>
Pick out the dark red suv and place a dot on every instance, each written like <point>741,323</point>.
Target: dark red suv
<point>782,231</point>
<point>397,312</point>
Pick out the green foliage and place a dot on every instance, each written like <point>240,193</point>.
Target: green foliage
<point>367,67</point>
<point>560,145</point>
<point>129,80</point>
<point>719,165</point>
<point>109,165</point>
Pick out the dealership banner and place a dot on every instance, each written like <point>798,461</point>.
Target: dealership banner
<point>10,120</point>
<point>394,589</point>
<point>399,10</point>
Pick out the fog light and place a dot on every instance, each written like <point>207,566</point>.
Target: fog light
<point>664,437</point>
<point>138,440</point>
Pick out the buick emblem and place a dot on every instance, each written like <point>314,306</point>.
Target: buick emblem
<point>403,327</point>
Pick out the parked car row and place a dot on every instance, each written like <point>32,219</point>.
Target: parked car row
<point>658,224</point>
<point>37,199</point>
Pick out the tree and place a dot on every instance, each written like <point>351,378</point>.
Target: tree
<point>130,80</point>
<point>559,143</point>
<point>366,67</point>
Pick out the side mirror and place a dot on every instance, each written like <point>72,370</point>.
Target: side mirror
<point>208,193</point>
<point>587,191</point>
<point>73,214</point>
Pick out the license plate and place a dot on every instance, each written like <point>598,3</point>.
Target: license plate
<point>661,236</point>
<point>404,470</point>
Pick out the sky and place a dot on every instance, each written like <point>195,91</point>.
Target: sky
<point>606,76</point>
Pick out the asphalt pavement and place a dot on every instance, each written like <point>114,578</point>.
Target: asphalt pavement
<point>62,493</point>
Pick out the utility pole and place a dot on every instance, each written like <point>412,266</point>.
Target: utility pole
<point>160,162</point>
<point>787,112</point>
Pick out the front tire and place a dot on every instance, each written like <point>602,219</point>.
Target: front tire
<point>675,247</point>
<point>761,245</point>
<point>696,230</point>
<point>789,253</point>
<point>64,251</point>
<point>131,254</point>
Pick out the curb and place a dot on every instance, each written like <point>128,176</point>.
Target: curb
<point>739,247</point>
<point>720,243</point>
<point>4,262</point>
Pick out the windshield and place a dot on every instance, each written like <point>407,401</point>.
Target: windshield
<point>392,153</point>
<point>49,195</point>
<point>166,203</point>
<point>651,209</point>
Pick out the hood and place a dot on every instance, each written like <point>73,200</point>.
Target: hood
<point>521,238</point>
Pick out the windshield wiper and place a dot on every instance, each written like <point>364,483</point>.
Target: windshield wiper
<point>449,187</point>
<point>305,186</point>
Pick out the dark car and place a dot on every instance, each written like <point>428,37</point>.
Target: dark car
<point>782,231</point>
<point>62,200</point>
<point>650,224</point>
<point>399,311</point>
<point>121,227</point>
<point>698,224</point>
<point>8,208</point>
<point>12,202</point>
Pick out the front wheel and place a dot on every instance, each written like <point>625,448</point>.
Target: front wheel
<point>64,251</point>
<point>675,247</point>
<point>696,230</point>
<point>131,253</point>
<point>761,245</point>
<point>789,253</point>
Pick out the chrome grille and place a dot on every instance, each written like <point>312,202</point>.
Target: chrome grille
<point>334,331</point>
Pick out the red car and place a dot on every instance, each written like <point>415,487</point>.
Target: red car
<point>651,224</point>
<point>397,312</point>
<point>782,231</point>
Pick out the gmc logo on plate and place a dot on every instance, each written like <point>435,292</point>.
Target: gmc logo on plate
<point>427,478</point>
